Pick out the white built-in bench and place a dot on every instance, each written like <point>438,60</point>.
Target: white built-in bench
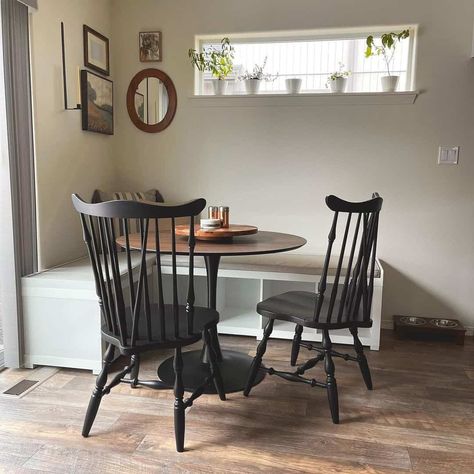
<point>245,280</point>
<point>61,315</point>
<point>62,318</point>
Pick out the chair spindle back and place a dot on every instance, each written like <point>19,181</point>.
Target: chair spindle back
<point>354,291</point>
<point>126,310</point>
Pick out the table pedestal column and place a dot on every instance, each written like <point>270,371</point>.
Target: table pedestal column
<point>235,366</point>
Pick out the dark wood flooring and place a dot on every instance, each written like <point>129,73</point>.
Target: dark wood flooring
<point>419,418</point>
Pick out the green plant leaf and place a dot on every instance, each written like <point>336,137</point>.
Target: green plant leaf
<point>218,63</point>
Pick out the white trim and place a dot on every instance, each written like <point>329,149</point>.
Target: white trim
<point>292,35</point>
<point>51,361</point>
<point>31,4</point>
<point>305,99</point>
<point>412,57</point>
<point>34,119</point>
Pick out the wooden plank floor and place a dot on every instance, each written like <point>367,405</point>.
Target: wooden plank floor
<point>419,418</point>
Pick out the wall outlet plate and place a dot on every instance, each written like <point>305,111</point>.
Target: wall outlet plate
<point>448,155</point>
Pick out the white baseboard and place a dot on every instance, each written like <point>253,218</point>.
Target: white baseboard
<point>52,361</point>
<point>388,324</point>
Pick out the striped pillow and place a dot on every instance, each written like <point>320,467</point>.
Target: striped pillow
<point>152,195</point>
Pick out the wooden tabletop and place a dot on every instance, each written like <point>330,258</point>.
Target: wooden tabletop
<point>261,243</point>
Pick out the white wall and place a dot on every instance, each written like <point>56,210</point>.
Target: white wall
<point>68,159</point>
<point>274,165</point>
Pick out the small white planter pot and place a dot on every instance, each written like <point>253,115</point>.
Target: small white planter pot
<point>252,86</point>
<point>293,85</point>
<point>220,86</point>
<point>389,83</point>
<point>338,85</point>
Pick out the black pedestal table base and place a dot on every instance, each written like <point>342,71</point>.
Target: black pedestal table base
<point>235,366</point>
<point>235,369</point>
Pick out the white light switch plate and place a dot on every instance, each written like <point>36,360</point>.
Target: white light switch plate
<point>448,155</point>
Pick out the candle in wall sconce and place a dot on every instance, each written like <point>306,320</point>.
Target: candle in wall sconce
<point>65,85</point>
<point>78,85</point>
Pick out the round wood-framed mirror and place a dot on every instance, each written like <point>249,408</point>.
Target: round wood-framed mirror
<point>151,100</point>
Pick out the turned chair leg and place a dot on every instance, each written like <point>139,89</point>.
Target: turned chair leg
<point>295,347</point>
<point>215,370</point>
<point>178,401</point>
<point>257,362</point>
<point>361,359</point>
<point>215,343</point>
<point>135,360</point>
<point>330,378</point>
<point>98,392</point>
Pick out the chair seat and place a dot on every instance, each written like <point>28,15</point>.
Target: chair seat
<point>204,318</point>
<point>299,306</point>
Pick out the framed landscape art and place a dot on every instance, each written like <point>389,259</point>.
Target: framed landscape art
<point>97,103</point>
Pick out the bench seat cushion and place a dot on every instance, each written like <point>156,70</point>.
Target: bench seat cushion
<point>273,263</point>
<point>78,273</point>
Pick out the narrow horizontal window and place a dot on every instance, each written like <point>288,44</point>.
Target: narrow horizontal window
<point>312,57</point>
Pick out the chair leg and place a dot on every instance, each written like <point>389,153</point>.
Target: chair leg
<point>97,394</point>
<point>257,362</point>
<point>295,347</point>
<point>361,359</point>
<point>178,401</point>
<point>215,370</point>
<point>330,378</point>
<point>136,368</point>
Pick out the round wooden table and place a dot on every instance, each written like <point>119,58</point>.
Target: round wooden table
<point>234,365</point>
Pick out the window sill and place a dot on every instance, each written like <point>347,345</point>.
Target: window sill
<point>306,99</point>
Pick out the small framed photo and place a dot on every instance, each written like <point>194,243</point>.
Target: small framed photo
<point>96,51</point>
<point>149,43</point>
<point>97,97</point>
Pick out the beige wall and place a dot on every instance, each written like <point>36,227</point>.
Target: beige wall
<point>68,159</point>
<point>274,165</point>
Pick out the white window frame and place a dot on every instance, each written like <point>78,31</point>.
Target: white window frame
<point>319,34</point>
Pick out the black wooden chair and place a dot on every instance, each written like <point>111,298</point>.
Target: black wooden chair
<point>131,323</point>
<point>343,303</point>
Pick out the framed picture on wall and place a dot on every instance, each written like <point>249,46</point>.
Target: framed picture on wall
<point>96,51</point>
<point>97,97</point>
<point>140,105</point>
<point>149,43</point>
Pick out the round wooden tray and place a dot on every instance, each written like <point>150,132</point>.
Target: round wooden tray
<point>233,230</point>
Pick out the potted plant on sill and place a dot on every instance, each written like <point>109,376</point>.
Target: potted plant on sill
<point>337,81</point>
<point>386,48</point>
<point>252,80</point>
<point>219,63</point>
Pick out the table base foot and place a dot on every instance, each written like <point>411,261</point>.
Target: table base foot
<point>235,367</point>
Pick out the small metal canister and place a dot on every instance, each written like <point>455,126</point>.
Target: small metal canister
<point>224,216</point>
<point>213,212</point>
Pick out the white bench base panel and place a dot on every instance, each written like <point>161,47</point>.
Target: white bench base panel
<point>62,318</point>
<point>61,315</point>
<point>240,290</point>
